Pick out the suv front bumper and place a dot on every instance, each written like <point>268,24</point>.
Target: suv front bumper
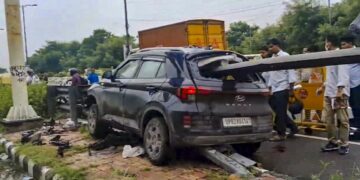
<point>179,141</point>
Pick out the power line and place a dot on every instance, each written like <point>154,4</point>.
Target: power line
<point>246,10</point>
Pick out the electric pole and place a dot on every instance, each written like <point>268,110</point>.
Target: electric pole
<point>24,24</point>
<point>127,31</point>
<point>329,6</point>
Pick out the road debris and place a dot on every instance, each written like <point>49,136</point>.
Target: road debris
<point>129,152</point>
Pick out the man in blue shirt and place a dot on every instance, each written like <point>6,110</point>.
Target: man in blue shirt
<point>93,77</point>
<point>347,42</point>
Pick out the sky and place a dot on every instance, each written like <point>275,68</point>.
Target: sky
<point>68,20</point>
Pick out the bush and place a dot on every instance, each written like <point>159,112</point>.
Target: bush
<point>6,100</point>
<point>37,98</point>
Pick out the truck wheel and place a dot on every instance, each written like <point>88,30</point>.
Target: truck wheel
<point>247,149</point>
<point>156,141</point>
<point>97,128</point>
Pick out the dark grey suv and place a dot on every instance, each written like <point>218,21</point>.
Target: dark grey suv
<point>170,98</point>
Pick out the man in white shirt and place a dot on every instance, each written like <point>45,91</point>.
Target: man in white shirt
<point>347,42</point>
<point>337,91</point>
<point>281,85</point>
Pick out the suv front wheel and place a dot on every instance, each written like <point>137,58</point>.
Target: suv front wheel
<point>96,127</point>
<point>156,140</point>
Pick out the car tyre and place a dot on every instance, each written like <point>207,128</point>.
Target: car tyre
<point>247,149</point>
<point>156,141</point>
<point>97,128</point>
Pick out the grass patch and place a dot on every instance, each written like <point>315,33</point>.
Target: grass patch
<point>37,98</point>
<point>146,169</point>
<point>84,131</point>
<point>337,175</point>
<point>217,175</point>
<point>46,156</point>
<point>2,129</point>
<point>2,149</point>
<point>76,150</point>
<point>124,174</point>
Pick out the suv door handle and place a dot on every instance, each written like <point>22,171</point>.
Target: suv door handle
<point>151,88</point>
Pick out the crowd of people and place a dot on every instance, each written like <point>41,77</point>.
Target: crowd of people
<point>341,86</point>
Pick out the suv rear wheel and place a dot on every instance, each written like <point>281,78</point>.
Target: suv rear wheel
<point>247,149</point>
<point>96,127</point>
<point>156,140</point>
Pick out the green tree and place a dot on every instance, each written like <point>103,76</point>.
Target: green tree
<point>101,50</point>
<point>300,24</point>
<point>238,32</point>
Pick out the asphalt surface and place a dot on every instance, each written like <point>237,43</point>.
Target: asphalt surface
<point>301,158</point>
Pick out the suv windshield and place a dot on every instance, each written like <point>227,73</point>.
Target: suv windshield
<point>203,68</point>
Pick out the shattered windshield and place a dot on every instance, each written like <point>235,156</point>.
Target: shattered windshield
<point>204,68</point>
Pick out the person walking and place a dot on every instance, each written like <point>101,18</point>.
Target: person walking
<point>337,92</point>
<point>281,85</point>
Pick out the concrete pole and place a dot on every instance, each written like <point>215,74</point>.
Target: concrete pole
<point>21,110</point>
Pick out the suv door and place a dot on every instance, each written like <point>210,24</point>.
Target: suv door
<point>144,88</point>
<point>114,91</point>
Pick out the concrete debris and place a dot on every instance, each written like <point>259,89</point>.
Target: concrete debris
<point>129,151</point>
<point>4,157</point>
<point>70,125</point>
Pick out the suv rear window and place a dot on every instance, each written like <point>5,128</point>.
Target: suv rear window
<point>203,69</point>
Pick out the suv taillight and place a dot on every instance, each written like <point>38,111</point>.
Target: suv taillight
<point>189,92</point>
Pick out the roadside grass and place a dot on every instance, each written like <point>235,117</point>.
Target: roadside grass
<point>2,129</point>
<point>217,175</point>
<point>2,149</point>
<point>76,150</point>
<point>146,169</point>
<point>84,131</point>
<point>123,175</point>
<point>337,175</point>
<point>46,156</point>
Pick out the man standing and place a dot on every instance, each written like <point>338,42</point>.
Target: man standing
<point>281,85</point>
<point>347,42</point>
<point>337,91</point>
<point>76,79</point>
<point>93,77</point>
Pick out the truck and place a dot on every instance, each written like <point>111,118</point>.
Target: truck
<point>195,33</point>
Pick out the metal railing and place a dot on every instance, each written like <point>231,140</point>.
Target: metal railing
<point>70,99</point>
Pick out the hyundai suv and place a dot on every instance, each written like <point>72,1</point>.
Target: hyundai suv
<point>171,98</point>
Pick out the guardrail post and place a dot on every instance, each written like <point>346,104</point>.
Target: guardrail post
<point>73,98</point>
<point>51,101</point>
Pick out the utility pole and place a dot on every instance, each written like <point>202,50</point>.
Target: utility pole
<point>127,31</point>
<point>329,6</point>
<point>24,24</point>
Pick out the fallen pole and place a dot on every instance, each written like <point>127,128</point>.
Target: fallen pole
<point>326,58</point>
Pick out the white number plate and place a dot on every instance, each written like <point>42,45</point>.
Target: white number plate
<point>237,122</point>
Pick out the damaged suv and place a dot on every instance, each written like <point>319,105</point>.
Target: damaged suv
<point>170,98</point>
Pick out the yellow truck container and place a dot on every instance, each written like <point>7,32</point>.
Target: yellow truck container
<point>199,33</point>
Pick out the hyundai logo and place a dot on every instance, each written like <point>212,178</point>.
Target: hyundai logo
<point>240,98</point>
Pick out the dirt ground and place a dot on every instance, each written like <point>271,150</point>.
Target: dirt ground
<point>109,164</point>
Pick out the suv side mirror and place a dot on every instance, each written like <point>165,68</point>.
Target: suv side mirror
<point>107,75</point>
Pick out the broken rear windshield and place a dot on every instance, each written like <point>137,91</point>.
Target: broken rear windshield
<point>203,68</point>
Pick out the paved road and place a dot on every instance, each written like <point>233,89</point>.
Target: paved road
<point>302,158</point>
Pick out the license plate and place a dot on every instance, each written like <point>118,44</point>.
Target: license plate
<point>237,122</point>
